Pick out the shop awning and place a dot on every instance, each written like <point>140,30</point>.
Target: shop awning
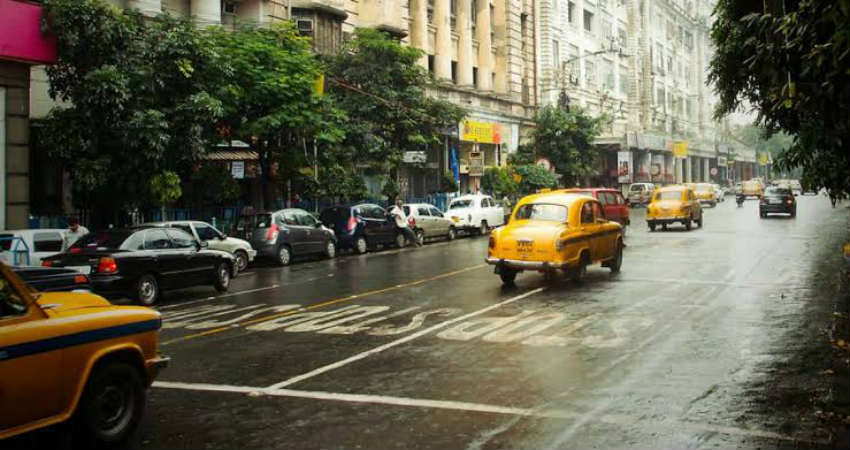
<point>231,155</point>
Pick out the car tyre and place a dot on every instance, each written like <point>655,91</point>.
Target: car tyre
<point>688,224</point>
<point>147,290</point>
<point>664,226</point>
<point>699,222</point>
<point>452,234</point>
<point>330,249</point>
<point>360,245</point>
<point>508,276</point>
<point>793,213</point>
<point>222,277</point>
<point>577,273</point>
<point>651,226</point>
<point>400,240</point>
<point>241,260</point>
<point>283,256</point>
<point>420,237</point>
<point>111,406</point>
<point>484,228</point>
<point>617,261</point>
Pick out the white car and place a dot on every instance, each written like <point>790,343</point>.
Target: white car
<point>640,193</point>
<point>216,240</point>
<point>719,193</point>
<point>28,247</point>
<point>796,187</point>
<point>475,213</point>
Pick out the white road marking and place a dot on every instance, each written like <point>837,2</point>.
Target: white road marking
<point>400,341</point>
<point>232,294</point>
<point>612,419</point>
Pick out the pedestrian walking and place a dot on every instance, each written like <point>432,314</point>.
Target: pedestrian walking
<point>74,231</point>
<point>401,223</point>
<point>507,207</point>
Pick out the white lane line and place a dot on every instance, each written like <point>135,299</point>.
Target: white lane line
<point>754,285</point>
<point>612,419</point>
<point>232,294</point>
<point>400,341</point>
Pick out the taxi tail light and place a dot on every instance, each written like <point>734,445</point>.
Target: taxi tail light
<point>107,265</point>
<point>271,235</point>
<point>47,263</point>
<point>492,242</point>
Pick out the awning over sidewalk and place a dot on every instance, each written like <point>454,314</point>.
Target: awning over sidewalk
<point>232,155</point>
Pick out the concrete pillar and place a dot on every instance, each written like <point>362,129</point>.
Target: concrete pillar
<point>485,46</point>
<point>501,45</point>
<point>689,170</point>
<point>149,8</point>
<point>464,42</point>
<point>419,28</point>
<point>678,164</point>
<point>205,12</point>
<point>443,40</point>
<point>706,169</point>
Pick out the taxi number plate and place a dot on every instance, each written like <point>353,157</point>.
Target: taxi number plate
<point>524,245</point>
<point>456,219</point>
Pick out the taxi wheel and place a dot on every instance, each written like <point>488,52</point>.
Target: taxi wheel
<point>112,404</point>
<point>699,222</point>
<point>651,227</point>
<point>508,276</point>
<point>578,273</point>
<point>400,240</point>
<point>688,224</point>
<point>664,226</point>
<point>330,249</point>
<point>617,261</point>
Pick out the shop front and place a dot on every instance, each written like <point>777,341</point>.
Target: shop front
<point>482,144</point>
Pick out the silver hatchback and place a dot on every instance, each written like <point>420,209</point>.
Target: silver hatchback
<point>428,222</point>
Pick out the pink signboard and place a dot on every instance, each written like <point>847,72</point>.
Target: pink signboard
<point>21,38</point>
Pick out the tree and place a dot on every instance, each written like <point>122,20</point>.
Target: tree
<point>378,85</point>
<point>498,181</point>
<point>566,138</point>
<point>533,178</point>
<point>788,60</point>
<point>139,104</point>
<point>214,185</point>
<point>448,183</point>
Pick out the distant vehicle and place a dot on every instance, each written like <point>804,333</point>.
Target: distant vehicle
<point>362,227</point>
<point>613,203</point>
<point>140,263</point>
<point>719,192</point>
<point>705,193</point>
<point>284,234</point>
<point>70,356</point>
<point>216,240</point>
<point>738,189</point>
<point>752,188</point>
<point>28,247</point>
<point>672,204</point>
<point>476,213</point>
<point>777,200</point>
<point>427,222</point>
<point>53,279</point>
<point>640,193</point>
<point>796,187</point>
<point>556,231</point>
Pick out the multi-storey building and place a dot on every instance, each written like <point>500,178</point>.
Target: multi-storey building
<point>643,64</point>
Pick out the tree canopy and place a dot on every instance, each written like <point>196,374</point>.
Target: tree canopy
<point>788,60</point>
<point>565,137</point>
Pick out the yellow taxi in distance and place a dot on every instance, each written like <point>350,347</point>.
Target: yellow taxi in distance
<point>752,188</point>
<point>73,355</point>
<point>672,204</point>
<point>705,193</point>
<point>554,231</point>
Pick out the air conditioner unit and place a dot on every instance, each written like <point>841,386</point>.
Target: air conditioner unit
<point>305,25</point>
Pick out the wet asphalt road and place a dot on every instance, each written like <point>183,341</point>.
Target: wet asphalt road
<point>424,348</point>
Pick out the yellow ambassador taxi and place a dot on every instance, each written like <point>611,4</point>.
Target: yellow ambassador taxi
<point>73,355</point>
<point>554,231</point>
<point>673,204</point>
<point>705,193</point>
<point>752,188</point>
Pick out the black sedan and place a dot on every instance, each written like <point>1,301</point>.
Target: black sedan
<point>362,226</point>
<point>777,200</point>
<point>52,279</point>
<point>140,263</point>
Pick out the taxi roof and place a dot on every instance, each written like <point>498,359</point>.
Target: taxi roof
<point>673,187</point>
<point>558,197</point>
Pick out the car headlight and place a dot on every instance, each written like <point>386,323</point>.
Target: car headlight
<point>559,244</point>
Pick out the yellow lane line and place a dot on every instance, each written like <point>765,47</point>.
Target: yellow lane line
<point>320,305</point>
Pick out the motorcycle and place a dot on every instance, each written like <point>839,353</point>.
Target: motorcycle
<point>739,199</point>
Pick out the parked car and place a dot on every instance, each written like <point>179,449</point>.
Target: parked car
<point>796,187</point>
<point>777,200</point>
<point>284,234</point>
<point>556,231</point>
<point>362,227</point>
<point>640,193</point>
<point>140,263</point>
<point>241,249</point>
<point>475,213</point>
<point>28,247</point>
<point>672,204</point>
<point>53,279</point>
<point>73,355</point>
<point>613,203</point>
<point>427,222</point>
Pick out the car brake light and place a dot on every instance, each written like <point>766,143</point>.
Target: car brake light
<point>352,224</point>
<point>492,242</point>
<point>271,235</point>
<point>47,263</point>
<point>75,250</point>
<point>81,279</point>
<point>107,265</point>
<point>790,201</point>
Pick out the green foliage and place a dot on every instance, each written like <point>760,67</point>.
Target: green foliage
<point>214,184</point>
<point>139,100</point>
<point>789,63</point>
<point>448,183</point>
<point>524,155</point>
<point>534,178</point>
<point>566,138</point>
<point>390,189</point>
<point>165,187</point>
<point>499,182</point>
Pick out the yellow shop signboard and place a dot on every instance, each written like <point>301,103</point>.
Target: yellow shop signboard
<point>481,132</point>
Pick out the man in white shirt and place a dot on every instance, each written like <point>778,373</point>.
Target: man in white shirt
<point>74,232</point>
<point>401,223</point>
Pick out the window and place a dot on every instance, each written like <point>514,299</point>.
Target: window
<point>306,219</point>
<point>376,212</point>
<point>624,80</point>
<point>457,204</point>
<point>473,14</point>
<point>621,37</point>
<point>598,213</point>
<point>607,32</point>
<point>454,72</point>
<point>181,239</point>
<point>571,7</point>
<point>101,240</point>
<point>575,68</point>
<point>588,21</point>
<point>556,55</point>
<point>659,57</point>
<point>542,211</point>
<point>430,11</point>
<point>206,232</point>
<point>47,242</point>
<point>136,241</point>
<point>669,63</point>
<point>436,212</point>
<point>422,211</point>
<point>660,97</point>
<point>668,195</point>
<point>587,213</point>
<point>11,302</point>
<point>601,197</point>
<point>289,218</point>
<point>156,239</point>
<point>589,74</point>
<point>608,75</point>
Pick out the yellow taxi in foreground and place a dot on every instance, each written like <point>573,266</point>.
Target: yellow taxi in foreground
<point>73,355</point>
<point>752,188</point>
<point>556,231</point>
<point>673,204</point>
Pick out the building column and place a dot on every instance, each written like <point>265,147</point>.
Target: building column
<point>205,12</point>
<point>501,45</point>
<point>689,170</point>
<point>678,164</point>
<point>419,28</point>
<point>464,42</point>
<point>485,46</point>
<point>149,8</point>
<point>443,40</point>
<point>706,171</point>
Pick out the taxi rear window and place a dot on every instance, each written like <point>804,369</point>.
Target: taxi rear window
<point>669,195</point>
<point>542,211</point>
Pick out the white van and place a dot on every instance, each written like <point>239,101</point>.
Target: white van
<point>640,193</point>
<point>28,247</point>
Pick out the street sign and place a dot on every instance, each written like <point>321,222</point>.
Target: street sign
<point>713,171</point>
<point>237,169</point>
<point>545,163</point>
<point>476,164</point>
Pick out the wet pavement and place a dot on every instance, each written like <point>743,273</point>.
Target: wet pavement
<point>424,348</point>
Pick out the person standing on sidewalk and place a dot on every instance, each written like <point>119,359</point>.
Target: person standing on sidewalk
<point>401,223</point>
<point>74,232</point>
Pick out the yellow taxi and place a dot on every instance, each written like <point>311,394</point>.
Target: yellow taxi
<point>752,188</point>
<point>673,204</point>
<point>554,231</point>
<point>73,354</point>
<point>705,193</point>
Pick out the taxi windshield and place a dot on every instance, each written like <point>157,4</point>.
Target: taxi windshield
<point>461,204</point>
<point>668,195</point>
<point>542,211</point>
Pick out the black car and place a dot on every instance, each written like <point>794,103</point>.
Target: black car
<point>777,200</point>
<point>362,226</point>
<point>286,233</point>
<point>140,263</point>
<point>52,279</point>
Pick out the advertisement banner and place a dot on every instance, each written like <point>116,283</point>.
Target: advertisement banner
<point>680,149</point>
<point>657,169</point>
<point>624,167</point>
<point>764,158</point>
<point>480,132</point>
